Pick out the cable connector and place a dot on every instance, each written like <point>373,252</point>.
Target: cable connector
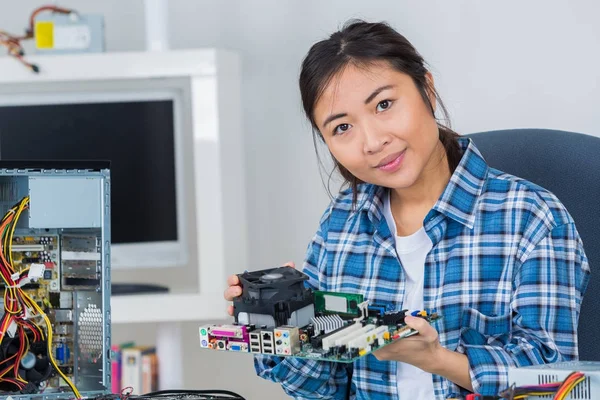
<point>12,329</point>
<point>28,313</point>
<point>36,271</point>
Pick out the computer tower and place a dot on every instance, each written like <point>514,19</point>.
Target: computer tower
<point>55,267</point>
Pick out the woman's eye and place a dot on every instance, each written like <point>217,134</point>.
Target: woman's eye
<point>341,128</point>
<point>384,105</point>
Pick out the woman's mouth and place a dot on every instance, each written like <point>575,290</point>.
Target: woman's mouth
<point>392,162</point>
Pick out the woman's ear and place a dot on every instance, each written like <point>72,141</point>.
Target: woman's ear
<point>431,90</point>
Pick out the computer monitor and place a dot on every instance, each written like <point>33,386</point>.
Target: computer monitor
<point>140,133</point>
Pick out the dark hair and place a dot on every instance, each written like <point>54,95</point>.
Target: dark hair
<point>361,43</point>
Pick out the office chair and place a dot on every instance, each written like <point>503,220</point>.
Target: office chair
<point>568,165</point>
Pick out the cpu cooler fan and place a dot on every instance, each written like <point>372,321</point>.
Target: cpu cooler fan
<point>34,368</point>
<point>274,297</point>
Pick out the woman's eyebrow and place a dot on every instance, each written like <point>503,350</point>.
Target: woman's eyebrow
<point>334,117</point>
<point>377,91</point>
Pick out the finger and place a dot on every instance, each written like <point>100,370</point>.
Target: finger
<point>232,291</point>
<point>233,280</point>
<point>419,324</point>
<point>290,264</point>
<point>230,310</point>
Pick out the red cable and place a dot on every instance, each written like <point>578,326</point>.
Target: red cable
<point>41,9</point>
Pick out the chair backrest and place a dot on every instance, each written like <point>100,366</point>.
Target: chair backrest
<point>568,165</point>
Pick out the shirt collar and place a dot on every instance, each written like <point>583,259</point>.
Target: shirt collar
<point>459,198</point>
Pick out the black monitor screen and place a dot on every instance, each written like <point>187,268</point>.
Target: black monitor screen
<point>136,137</point>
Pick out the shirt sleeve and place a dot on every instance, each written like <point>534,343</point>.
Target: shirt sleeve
<point>548,287</point>
<point>302,378</point>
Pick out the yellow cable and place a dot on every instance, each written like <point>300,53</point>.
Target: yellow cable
<point>49,341</point>
<point>25,350</point>
<point>7,245</point>
<point>524,396</point>
<point>24,203</point>
<point>39,329</point>
<point>33,304</point>
<point>570,387</point>
<point>4,235</point>
<point>4,372</point>
<point>4,327</point>
<point>12,299</point>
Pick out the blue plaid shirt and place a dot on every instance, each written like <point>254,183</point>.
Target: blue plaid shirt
<point>507,272</point>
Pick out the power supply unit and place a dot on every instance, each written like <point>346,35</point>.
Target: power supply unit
<point>71,33</point>
<point>589,389</point>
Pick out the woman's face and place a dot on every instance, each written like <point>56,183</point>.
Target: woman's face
<point>376,124</point>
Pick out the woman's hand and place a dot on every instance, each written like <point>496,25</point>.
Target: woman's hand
<point>423,350</point>
<point>234,289</point>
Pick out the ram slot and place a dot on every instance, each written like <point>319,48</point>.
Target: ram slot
<point>329,341</point>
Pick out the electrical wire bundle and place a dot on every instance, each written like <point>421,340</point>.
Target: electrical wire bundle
<point>560,390</point>
<point>13,43</point>
<point>20,335</point>
<point>175,395</point>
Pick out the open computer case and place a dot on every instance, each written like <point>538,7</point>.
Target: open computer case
<point>54,258</point>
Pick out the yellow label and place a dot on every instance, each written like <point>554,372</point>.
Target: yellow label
<point>44,35</point>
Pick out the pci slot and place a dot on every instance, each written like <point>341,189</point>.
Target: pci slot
<point>329,341</point>
<point>365,340</point>
<point>15,248</point>
<point>344,340</point>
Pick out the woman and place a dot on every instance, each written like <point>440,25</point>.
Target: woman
<point>426,223</point>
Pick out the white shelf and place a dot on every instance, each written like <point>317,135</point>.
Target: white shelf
<point>113,65</point>
<point>167,307</point>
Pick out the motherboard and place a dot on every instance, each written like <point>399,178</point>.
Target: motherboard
<point>276,314</point>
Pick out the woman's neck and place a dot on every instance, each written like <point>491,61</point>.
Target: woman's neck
<point>410,205</point>
<point>430,185</point>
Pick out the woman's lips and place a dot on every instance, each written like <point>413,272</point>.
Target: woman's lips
<point>392,162</point>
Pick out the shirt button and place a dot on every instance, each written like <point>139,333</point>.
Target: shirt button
<point>384,377</point>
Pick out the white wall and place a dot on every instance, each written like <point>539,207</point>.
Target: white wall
<point>498,64</point>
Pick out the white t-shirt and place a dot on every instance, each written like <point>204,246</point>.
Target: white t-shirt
<point>413,383</point>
